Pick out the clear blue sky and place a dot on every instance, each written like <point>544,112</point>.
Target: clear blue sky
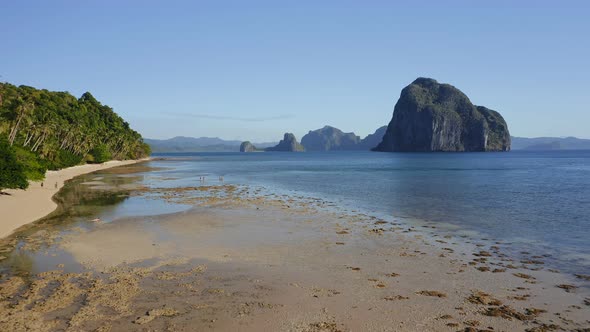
<point>254,70</point>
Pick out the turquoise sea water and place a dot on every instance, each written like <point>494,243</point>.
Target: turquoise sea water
<point>537,201</point>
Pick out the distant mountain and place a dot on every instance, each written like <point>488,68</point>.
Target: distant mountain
<point>200,144</point>
<point>329,138</point>
<point>287,144</point>
<point>372,140</point>
<point>550,143</point>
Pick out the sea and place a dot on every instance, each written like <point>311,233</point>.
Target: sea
<point>536,202</point>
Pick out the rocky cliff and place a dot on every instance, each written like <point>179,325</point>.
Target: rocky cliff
<point>372,140</point>
<point>287,144</point>
<point>247,147</point>
<point>430,116</point>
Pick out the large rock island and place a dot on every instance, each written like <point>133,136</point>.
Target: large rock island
<point>430,116</point>
<point>287,144</point>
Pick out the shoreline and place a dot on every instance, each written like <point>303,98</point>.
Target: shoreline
<point>240,258</point>
<point>22,207</point>
<point>237,260</point>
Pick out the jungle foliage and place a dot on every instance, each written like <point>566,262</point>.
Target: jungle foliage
<point>52,130</point>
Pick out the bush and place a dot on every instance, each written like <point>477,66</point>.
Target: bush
<point>34,167</point>
<point>64,159</point>
<point>12,173</point>
<point>100,154</point>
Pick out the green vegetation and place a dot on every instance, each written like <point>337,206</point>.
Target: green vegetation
<point>52,130</point>
<point>12,174</point>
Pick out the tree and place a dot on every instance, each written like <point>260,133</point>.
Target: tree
<point>100,154</point>
<point>12,174</point>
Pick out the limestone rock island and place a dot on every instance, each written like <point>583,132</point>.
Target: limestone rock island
<point>430,116</point>
<point>287,144</point>
<point>248,147</point>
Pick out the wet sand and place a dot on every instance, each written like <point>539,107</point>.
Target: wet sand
<point>21,207</point>
<point>238,261</point>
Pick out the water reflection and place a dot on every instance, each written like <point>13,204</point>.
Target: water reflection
<point>104,196</point>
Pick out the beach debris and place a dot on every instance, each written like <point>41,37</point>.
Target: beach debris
<point>445,317</point>
<point>587,301</point>
<point>471,322</point>
<point>154,313</point>
<point>534,311</point>
<point>396,297</point>
<point>452,324</point>
<point>523,276</point>
<point>544,328</point>
<point>523,297</point>
<point>393,275</point>
<point>567,288</point>
<point>483,268</point>
<point>377,230</point>
<point>378,283</point>
<point>432,293</point>
<point>354,268</point>
<point>479,297</point>
<point>509,313</point>
<point>323,327</point>
<point>342,232</point>
<point>583,276</point>
<point>506,312</point>
<point>483,253</point>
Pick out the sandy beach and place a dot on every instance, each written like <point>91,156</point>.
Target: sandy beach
<point>241,260</point>
<point>21,207</point>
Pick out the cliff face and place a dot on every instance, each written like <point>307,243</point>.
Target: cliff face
<point>330,138</point>
<point>372,140</point>
<point>287,144</point>
<point>430,116</point>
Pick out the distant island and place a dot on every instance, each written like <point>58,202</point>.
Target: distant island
<point>430,116</point>
<point>329,138</point>
<point>287,144</point>
<point>44,130</point>
<point>550,143</point>
<point>198,144</point>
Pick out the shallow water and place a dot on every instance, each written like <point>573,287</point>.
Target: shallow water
<point>538,201</point>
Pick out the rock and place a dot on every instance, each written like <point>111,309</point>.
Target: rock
<point>372,140</point>
<point>330,138</point>
<point>333,139</point>
<point>287,144</point>
<point>430,116</point>
<point>247,147</point>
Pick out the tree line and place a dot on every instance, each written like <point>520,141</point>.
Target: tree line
<point>44,130</point>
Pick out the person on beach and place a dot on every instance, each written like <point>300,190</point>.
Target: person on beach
<point>56,185</point>
<point>41,184</point>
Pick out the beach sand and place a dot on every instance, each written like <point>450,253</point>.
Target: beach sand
<point>238,261</point>
<point>22,207</point>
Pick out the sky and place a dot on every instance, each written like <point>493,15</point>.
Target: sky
<point>253,70</point>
